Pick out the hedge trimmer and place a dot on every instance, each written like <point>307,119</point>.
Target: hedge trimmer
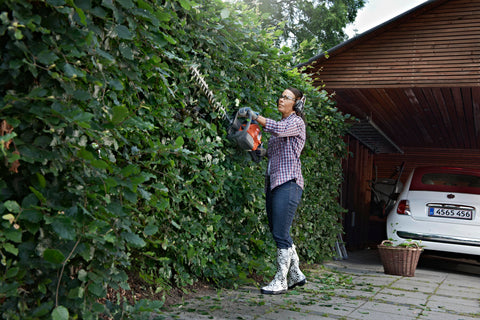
<point>244,131</point>
<point>211,97</point>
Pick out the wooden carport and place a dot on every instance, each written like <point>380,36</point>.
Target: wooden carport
<point>414,85</point>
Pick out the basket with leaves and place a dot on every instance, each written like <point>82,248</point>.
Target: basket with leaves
<point>400,259</point>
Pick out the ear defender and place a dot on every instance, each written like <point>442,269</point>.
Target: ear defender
<point>299,105</point>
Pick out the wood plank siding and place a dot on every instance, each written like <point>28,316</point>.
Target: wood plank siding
<point>417,79</point>
<point>439,48</point>
<point>356,194</point>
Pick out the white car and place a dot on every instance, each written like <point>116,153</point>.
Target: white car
<point>440,206</point>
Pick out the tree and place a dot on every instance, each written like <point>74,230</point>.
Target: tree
<point>309,26</point>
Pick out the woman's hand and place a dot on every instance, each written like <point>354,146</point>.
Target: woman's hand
<point>247,112</point>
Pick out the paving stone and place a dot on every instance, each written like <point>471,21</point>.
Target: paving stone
<point>354,288</point>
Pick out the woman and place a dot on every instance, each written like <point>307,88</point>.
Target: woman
<point>284,185</point>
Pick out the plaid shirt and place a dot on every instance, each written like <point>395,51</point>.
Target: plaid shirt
<point>284,149</point>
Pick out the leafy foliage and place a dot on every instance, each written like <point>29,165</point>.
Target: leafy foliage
<point>119,164</point>
<point>309,26</point>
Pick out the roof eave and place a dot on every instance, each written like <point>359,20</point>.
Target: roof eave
<point>371,32</point>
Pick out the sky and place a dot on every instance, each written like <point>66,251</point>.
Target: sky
<point>376,12</point>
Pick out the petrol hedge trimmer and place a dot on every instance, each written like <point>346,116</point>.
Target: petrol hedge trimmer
<point>242,130</point>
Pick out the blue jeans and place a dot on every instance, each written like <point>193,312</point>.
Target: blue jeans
<point>282,203</point>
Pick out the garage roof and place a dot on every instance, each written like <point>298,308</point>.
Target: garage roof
<point>416,77</point>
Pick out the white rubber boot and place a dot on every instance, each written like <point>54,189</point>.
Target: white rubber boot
<point>279,283</point>
<point>295,275</point>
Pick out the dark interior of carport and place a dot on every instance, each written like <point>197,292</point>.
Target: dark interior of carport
<point>413,85</point>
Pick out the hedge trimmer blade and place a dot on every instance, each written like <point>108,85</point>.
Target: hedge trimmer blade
<point>211,97</point>
<point>248,140</point>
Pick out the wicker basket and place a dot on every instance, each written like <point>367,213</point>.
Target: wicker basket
<point>399,261</point>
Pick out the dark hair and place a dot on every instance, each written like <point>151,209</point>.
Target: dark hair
<point>298,95</point>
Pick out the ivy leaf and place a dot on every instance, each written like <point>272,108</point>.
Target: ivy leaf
<point>150,230</point>
<point>123,32</point>
<point>105,55</point>
<point>82,275</point>
<point>63,226</point>
<point>145,194</point>
<point>12,206</point>
<point>100,164</point>
<point>147,16</point>
<point>185,4</point>
<point>10,217</point>
<point>99,12</point>
<point>126,51</point>
<point>133,239</point>
<point>10,248</point>
<point>38,194</point>
<point>18,34</point>
<point>169,38</point>
<point>77,292</point>
<point>129,170</point>
<point>47,57</point>
<point>37,92</point>
<point>120,113</point>
<point>31,215</point>
<point>108,4</point>
<point>13,235</point>
<point>72,72</point>
<point>81,15</point>
<point>43,309</point>
<point>176,225</point>
<point>179,142</point>
<point>41,180</point>
<point>116,84</point>
<point>83,117</point>
<point>12,272</point>
<point>85,154</point>
<point>4,18</point>
<point>53,256</point>
<point>163,16</point>
<point>127,4</point>
<point>81,95</point>
<point>96,289</point>
<point>4,139</point>
<point>144,5</point>
<point>60,313</point>
<point>56,3</point>
<point>225,13</point>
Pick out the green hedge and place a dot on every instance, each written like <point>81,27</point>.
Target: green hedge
<point>115,163</point>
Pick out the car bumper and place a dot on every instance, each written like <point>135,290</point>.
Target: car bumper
<point>463,239</point>
<point>436,238</point>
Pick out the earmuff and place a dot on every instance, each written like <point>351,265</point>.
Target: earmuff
<point>299,105</point>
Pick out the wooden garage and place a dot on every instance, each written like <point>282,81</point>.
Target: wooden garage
<point>413,85</point>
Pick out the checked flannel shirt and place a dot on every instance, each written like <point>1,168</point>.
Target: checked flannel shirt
<point>284,149</point>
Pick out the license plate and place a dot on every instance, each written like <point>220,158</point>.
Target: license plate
<point>450,213</point>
